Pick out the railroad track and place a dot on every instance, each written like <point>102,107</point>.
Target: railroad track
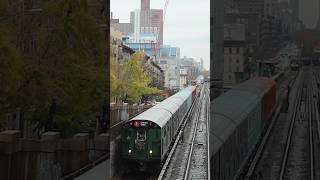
<point>180,161</point>
<point>269,144</point>
<point>160,174</point>
<point>316,120</point>
<point>290,148</point>
<point>198,166</point>
<point>297,161</point>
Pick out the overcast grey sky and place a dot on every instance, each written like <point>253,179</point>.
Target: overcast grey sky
<point>309,12</point>
<point>187,24</point>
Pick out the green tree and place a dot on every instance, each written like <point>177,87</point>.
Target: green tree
<point>10,62</point>
<point>63,84</point>
<point>10,66</point>
<point>114,85</point>
<point>132,82</point>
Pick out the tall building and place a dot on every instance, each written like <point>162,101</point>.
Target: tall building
<point>247,12</point>
<point>157,21</point>
<point>179,72</point>
<point>144,20</point>
<point>148,19</point>
<point>270,29</point>
<point>216,49</point>
<point>168,51</point>
<point>235,55</point>
<point>271,8</point>
<point>318,22</point>
<point>171,68</point>
<point>201,64</point>
<point>145,5</point>
<point>286,17</point>
<point>295,9</point>
<point>244,6</point>
<point>262,19</point>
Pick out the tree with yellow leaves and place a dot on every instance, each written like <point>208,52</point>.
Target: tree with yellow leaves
<point>132,82</point>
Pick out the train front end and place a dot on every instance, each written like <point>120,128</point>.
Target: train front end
<point>141,144</point>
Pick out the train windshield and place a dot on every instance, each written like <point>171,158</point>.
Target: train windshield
<point>141,135</point>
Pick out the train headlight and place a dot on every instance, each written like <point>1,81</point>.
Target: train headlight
<point>150,152</point>
<point>129,151</point>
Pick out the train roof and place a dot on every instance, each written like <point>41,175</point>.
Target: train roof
<point>156,115</point>
<point>258,85</point>
<point>189,89</point>
<point>233,107</point>
<point>228,111</point>
<point>162,112</point>
<point>184,93</point>
<point>169,104</point>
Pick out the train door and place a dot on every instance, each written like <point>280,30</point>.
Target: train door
<point>178,117</point>
<point>161,139</point>
<point>141,139</point>
<point>165,137</point>
<point>169,134</point>
<point>154,142</point>
<point>171,127</point>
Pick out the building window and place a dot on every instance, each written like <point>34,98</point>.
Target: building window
<point>237,68</point>
<point>237,60</point>
<point>238,50</point>
<point>230,50</point>
<point>230,60</point>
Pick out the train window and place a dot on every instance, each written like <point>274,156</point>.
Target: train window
<point>141,135</point>
<point>144,124</point>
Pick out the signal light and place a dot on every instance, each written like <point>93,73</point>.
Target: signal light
<point>136,124</point>
<point>151,124</point>
<point>150,151</point>
<point>129,151</point>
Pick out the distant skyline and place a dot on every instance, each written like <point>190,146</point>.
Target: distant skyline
<point>187,24</point>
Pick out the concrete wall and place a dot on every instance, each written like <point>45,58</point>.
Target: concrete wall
<point>124,111</point>
<point>49,157</point>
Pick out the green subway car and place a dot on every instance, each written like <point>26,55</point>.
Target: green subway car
<point>147,137</point>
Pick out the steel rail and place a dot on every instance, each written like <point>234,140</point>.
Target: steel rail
<point>186,174</point>
<point>310,104</point>
<point>166,164</point>
<point>262,146</point>
<point>208,137</point>
<point>317,105</point>
<point>290,133</point>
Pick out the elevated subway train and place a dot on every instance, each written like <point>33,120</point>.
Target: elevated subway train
<point>147,137</point>
<point>238,120</point>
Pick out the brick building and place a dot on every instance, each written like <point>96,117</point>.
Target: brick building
<point>235,55</point>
